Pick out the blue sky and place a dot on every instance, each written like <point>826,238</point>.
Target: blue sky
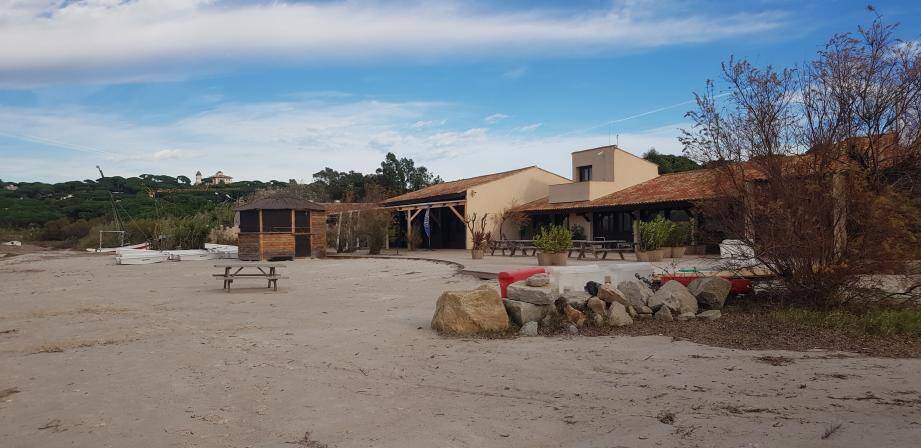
<point>280,90</point>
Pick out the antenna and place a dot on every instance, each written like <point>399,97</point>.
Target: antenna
<point>617,144</point>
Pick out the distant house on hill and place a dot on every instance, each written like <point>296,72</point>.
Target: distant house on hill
<point>218,178</point>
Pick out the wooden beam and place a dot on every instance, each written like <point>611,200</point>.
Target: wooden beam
<point>409,230</point>
<point>456,213</point>
<point>260,234</point>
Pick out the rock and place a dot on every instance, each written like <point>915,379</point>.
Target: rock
<point>644,316</point>
<point>636,292</point>
<point>610,294</point>
<point>470,312</point>
<point>592,287</point>
<point>710,315</point>
<point>632,311</point>
<point>686,316</point>
<point>576,299</point>
<point>711,292</point>
<point>572,329</point>
<point>596,305</point>
<point>664,313</point>
<point>573,315</point>
<point>524,312</point>
<point>538,295</point>
<point>538,280</point>
<point>675,296</point>
<point>644,310</point>
<point>598,320</point>
<point>618,316</point>
<point>528,329</point>
<point>547,321</point>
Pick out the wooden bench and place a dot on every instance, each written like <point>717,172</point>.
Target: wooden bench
<point>234,271</point>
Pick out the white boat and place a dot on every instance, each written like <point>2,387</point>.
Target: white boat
<point>150,257</point>
<point>141,246</point>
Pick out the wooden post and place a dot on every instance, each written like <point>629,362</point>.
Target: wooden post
<point>260,235</point>
<point>409,230</point>
<point>338,232</point>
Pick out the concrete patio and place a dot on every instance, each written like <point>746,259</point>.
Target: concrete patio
<point>490,266</point>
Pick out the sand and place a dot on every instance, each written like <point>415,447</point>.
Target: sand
<point>96,355</point>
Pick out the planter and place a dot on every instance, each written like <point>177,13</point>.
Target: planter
<point>650,255</point>
<point>675,251</point>
<point>667,251</point>
<point>476,254</point>
<point>552,258</point>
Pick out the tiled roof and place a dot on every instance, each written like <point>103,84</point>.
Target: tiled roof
<point>674,187</point>
<point>281,203</point>
<point>451,188</point>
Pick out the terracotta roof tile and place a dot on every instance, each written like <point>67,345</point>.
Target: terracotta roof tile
<point>449,188</point>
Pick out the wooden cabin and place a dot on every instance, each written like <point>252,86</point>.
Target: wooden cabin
<point>281,229</point>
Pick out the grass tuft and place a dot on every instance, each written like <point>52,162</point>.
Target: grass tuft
<point>876,322</point>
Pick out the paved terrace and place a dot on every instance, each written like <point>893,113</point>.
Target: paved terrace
<point>491,265</point>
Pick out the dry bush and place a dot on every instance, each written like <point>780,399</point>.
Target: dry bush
<point>817,167</point>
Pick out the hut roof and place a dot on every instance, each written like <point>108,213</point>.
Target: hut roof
<point>281,204</point>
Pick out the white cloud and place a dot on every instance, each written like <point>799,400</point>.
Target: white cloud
<point>282,140</point>
<point>495,118</point>
<point>515,73</point>
<point>427,123</point>
<point>46,39</point>
<point>528,128</point>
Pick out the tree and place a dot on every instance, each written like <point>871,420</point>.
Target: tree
<point>816,167</point>
<point>670,163</point>
<point>401,175</point>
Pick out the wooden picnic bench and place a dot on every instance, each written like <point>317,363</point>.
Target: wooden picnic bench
<point>602,247</point>
<point>266,271</point>
<point>513,246</point>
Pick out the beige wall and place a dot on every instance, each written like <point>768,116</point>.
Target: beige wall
<point>494,197</point>
<point>601,160</point>
<point>581,191</point>
<point>630,170</point>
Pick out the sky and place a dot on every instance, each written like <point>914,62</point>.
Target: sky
<point>282,89</point>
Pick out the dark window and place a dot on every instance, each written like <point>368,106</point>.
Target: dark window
<point>301,222</point>
<point>249,221</point>
<point>276,220</point>
<point>585,173</point>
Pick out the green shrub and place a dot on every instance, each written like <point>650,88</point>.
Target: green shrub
<point>553,239</point>
<point>654,234</point>
<point>578,232</point>
<point>679,235</point>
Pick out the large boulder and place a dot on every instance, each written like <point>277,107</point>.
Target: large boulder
<point>524,312</point>
<point>675,296</point>
<point>636,292</point>
<point>618,315</point>
<point>596,305</point>
<point>538,295</point>
<point>538,280</point>
<point>711,292</point>
<point>573,315</point>
<point>610,294</point>
<point>470,312</point>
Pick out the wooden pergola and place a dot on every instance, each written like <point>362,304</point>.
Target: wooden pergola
<point>413,210</point>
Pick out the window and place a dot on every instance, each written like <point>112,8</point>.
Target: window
<point>585,173</point>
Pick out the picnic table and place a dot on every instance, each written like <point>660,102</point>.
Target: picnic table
<point>603,247</point>
<point>265,271</point>
<point>513,246</point>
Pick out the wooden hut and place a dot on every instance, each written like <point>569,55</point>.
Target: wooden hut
<point>281,229</point>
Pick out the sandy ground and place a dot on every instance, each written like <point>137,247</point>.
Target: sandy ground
<point>104,355</point>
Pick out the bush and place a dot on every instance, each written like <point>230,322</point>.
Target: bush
<point>578,232</point>
<point>680,234</point>
<point>879,321</point>
<point>374,225</point>
<point>553,239</point>
<point>655,234</point>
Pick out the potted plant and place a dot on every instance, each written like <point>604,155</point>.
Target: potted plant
<point>677,239</point>
<point>479,237</point>
<point>653,235</point>
<point>554,243</point>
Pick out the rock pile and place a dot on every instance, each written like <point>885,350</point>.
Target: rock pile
<point>532,303</point>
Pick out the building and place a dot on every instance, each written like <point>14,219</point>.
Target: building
<point>281,229</point>
<point>218,178</point>
<point>449,203</point>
